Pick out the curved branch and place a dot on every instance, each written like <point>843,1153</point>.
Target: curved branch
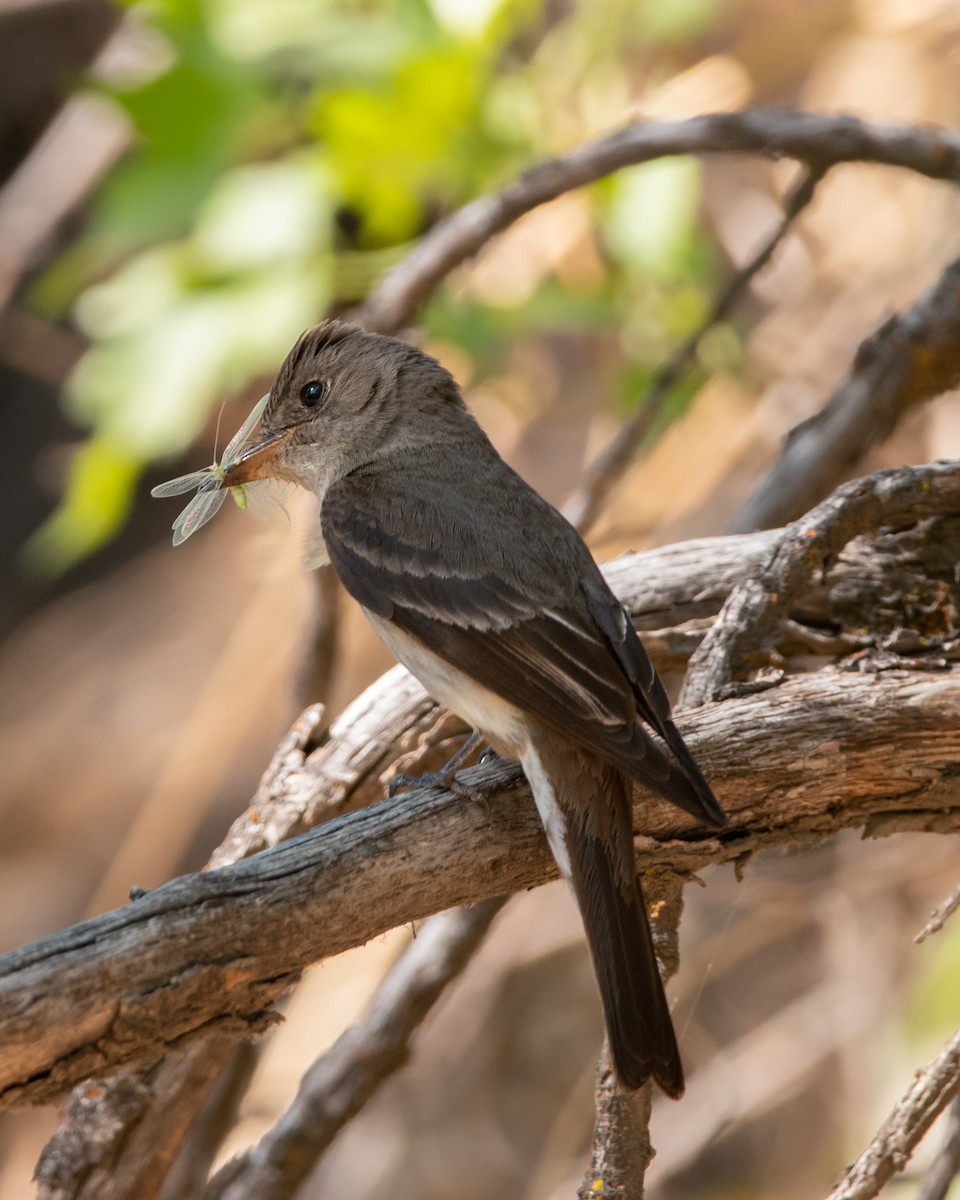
<point>819,141</point>
<point>737,639</point>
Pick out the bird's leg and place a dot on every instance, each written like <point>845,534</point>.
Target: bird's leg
<point>445,777</point>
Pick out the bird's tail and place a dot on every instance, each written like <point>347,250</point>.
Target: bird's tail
<point>600,847</point>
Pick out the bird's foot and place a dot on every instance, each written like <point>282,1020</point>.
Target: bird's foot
<point>446,777</point>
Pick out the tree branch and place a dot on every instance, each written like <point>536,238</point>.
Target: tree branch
<point>910,359</point>
<point>891,498</point>
<point>926,1098</point>
<point>214,951</point>
<point>817,140</point>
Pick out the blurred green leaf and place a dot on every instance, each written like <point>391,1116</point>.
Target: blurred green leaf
<point>650,218</point>
<point>417,141</point>
<point>189,121</point>
<point>99,494</point>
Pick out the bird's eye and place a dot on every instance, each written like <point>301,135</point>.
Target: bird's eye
<point>313,392</point>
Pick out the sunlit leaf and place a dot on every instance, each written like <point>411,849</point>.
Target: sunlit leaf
<point>99,495</point>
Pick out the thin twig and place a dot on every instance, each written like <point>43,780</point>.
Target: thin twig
<point>910,359</point>
<point>940,915</point>
<point>337,1086</point>
<point>583,507</point>
<point>735,643</point>
<point>932,1090</point>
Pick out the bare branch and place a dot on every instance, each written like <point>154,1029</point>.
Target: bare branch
<point>931,1091</point>
<point>940,915</point>
<point>114,1142</point>
<point>214,951</point>
<point>890,498</point>
<point>819,141</point>
<point>910,359</point>
<point>621,1149</point>
<point>340,1083</point>
<point>946,1166</point>
<point>585,505</point>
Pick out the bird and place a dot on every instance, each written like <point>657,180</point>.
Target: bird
<point>490,597</point>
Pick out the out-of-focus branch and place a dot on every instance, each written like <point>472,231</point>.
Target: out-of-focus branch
<point>73,154</point>
<point>586,503</point>
<point>818,140</point>
<point>941,914</point>
<point>891,498</point>
<point>910,359</point>
<point>946,1166</point>
<point>341,1082</point>
<point>932,1090</point>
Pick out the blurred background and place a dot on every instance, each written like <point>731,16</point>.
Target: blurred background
<point>185,185</point>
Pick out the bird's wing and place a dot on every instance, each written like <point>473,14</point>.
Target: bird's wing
<point>499,606</point>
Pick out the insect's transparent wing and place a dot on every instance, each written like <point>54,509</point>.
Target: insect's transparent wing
<point>237,442</point>
<point>209,481</point>
<point>266,499</point>
<point>183,483</point>
<point>198,512</point>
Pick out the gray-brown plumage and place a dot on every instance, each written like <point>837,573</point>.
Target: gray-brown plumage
<point>492,600</point>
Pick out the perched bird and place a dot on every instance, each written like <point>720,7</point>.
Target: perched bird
<point>492,600</point>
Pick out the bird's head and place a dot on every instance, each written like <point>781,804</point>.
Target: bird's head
<point>341,398</point>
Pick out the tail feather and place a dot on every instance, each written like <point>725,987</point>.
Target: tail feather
<point>709,809</point>
<point>642,1039</point>
<point>677,779</point>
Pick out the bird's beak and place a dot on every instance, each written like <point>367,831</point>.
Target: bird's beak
<point>258,462</point>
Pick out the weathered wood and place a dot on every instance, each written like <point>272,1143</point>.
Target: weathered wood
<point>792,764</point>
<point>213,951</point>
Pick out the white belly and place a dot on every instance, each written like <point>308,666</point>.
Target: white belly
<point>480,708</point>
<point>502,723</point>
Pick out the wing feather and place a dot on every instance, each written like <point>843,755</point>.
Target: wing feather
<point>499,606</point>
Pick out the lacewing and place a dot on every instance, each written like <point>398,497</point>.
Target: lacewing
<point>264,498</point>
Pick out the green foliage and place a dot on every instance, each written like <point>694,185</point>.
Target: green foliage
<point>287,151</point>
<point>99,494</point>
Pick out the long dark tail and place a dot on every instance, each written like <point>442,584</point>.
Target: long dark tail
<point>600,845</point>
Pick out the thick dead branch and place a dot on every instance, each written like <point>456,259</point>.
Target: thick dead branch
<point>819,141</point>
<point>910,359</point>
<point>214,951</point>
<point>931,1091</point>
<point>892,587</point>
